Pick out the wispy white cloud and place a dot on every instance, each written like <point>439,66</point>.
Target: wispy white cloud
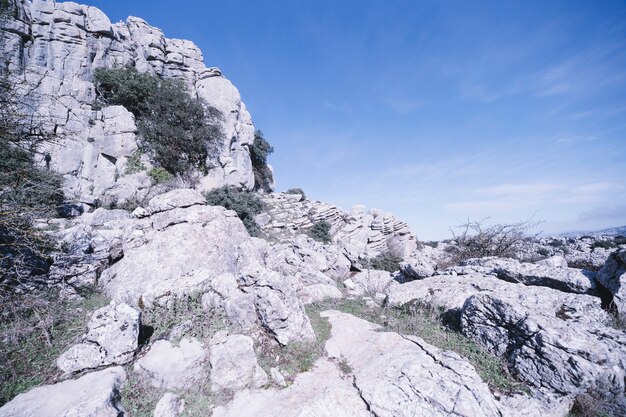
<point>402,104</point>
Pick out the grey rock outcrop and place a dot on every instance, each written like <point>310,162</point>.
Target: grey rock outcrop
<point>322,392</point>
<point>398,375</point>
<point>315,267</point>
<point>613,277</point>
<point>361,235</point>
<point>52,49</point>
<point>173,367</point>
<point>170,405</point>
<point>112,338</point>
<point>205,249</point>
<point>233,363</point>
<point>560,278</point>
<point>94,395</point>
<point>551,339</point>
<point>369,282</point>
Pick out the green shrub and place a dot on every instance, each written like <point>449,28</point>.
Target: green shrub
<point>604,244</point>
<point>134,164</point>
<point>386,262</point>
<point>246,204</point>
<point>259,152</point>
<point>321,231</point>
<point>543,251</point>
<point>555,243</point>
<point>619,240</point>
<point>296,191</point>
<point>178,130</point>
<point>160,175</point>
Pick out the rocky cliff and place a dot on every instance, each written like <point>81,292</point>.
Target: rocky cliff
<point>52,49</point>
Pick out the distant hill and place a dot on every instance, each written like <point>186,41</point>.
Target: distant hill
<point>613,231</point>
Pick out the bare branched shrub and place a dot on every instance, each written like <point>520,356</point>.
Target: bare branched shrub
<point>477,239</point>
<point>28,191</point>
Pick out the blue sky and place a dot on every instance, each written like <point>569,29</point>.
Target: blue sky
<point>435,111</point>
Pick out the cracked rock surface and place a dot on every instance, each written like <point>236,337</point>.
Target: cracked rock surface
<point>555,341</point>
<point>190,247</point>
<point>398,375</point>
<point>93,395</point>
<point>112,338</point>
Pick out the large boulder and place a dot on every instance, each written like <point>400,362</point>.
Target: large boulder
<point>233,363</point>
<point>558,277</point>
<point>612,276</point>
<point>399,375</point>
<point>94,395</point>
<point>112,338</point>
<point>553,340</point>
<point>166,366</point>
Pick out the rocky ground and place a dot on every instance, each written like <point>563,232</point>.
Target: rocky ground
<point>203,319</point>
<point>167,306</point>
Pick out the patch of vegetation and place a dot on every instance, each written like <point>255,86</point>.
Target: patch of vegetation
<point>296,191</point>
<point>28,191</point>
<point>34,330</point>
<point>603,244</point>
<point>245,203</point>
<point>139,398</point>
<point>178,130</point>
<point>321,231</point>
<point>182,317</point>
<point>427,323</point>
<point>134,164</point>
<point>543,252</point>
<point>386,261</point>
<point>619,240</point>
<point>556,243</point>
<point>296,357</point>
<point>259,151</point>
<point>477,239</point>
<point>432,244</point>
<point>160,175</point>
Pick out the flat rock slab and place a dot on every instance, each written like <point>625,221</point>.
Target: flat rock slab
<point>93,395</point>
<point>173,367</point>
<point>399,375</point>
<point>322,392</point>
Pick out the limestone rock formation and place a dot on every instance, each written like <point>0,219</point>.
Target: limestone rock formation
<point>112,338</point>
<point>361,235</point>
<point>322,392</point>
<point>398,375</point>
<point>52,49</point>
<point>561,278</point>
<point>200,248</point>
<point>173,367</point>
<point>553,340</point>
<point>613,277</point>
<point>170,405</point>
<point>93,395</point>
<point>233,363</point>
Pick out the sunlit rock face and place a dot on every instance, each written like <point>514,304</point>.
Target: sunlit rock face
<point>52,49</point>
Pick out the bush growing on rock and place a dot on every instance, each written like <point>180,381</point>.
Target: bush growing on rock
<point>246,204</point>
<point>386,262</point>
<point>160,175</point>
<point>321,231</point>
<point>178,130</point>
<point>260,150</point>
<point>296,191</point>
